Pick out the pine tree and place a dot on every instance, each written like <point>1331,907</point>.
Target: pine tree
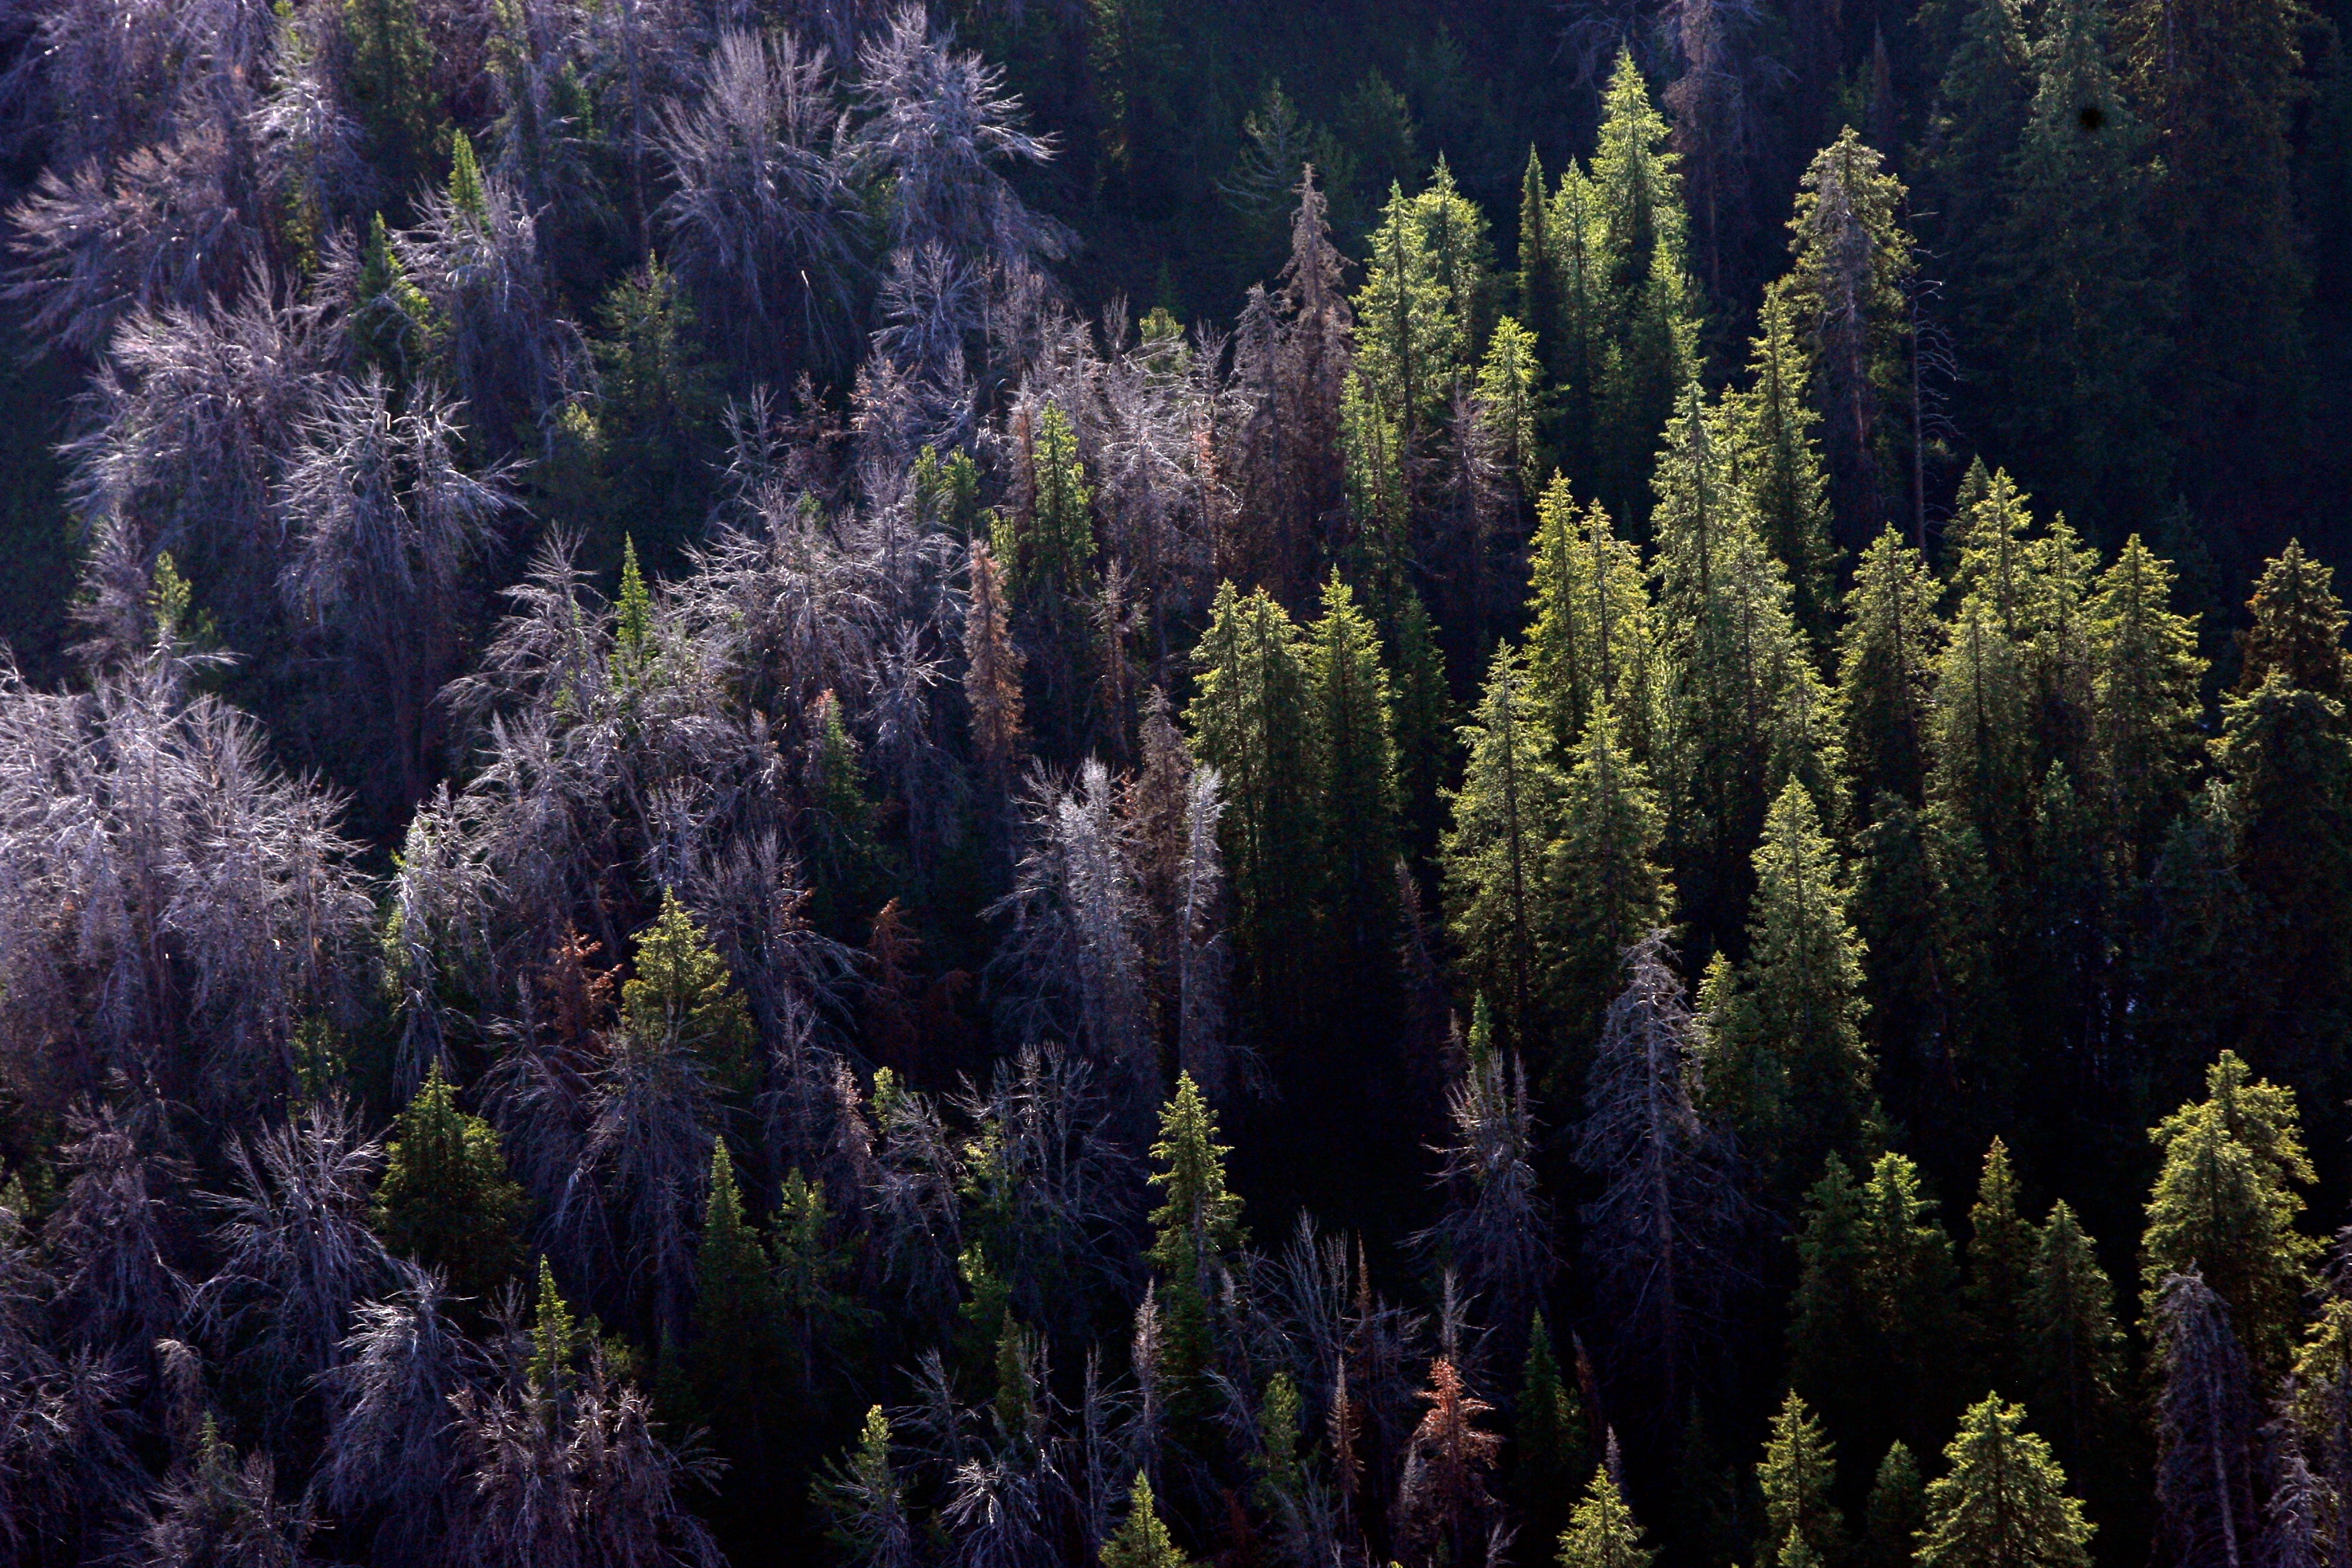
<point>1788,1063</point>
<point>447,1199</point>
<point>1999,1267</point>
<point>1197,1224</point>
<point>1887,652</point>
<point>1897,1512</point>
<point>1505,817</point>
<point>1797,1475</point>
<point>2072,1348</point>
<point>1602,1533</point>
<point>1141,1541</point>
<point>2225,1206</point>
<point>2003,1503</point>
<point>683,998</point>
<point>813,1273</point>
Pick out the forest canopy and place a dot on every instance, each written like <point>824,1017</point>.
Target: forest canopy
<point>1084,782</point>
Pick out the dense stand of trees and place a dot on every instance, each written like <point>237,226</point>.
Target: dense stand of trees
<point>1031,784</point>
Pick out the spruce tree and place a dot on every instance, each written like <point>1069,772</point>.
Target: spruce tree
<point>2217,79</point>
<point>2000,1267</point>
<point>1505,817</point>
<point>1197,1224</point>
<point>2002,1502</point>
<point>1852,266</point>
<point>1797,1475</point>
<point>2072,1349</point>
<point>1887,654</point>
<point>2149,673</point>
<point>2224,1205</point>
<point>733,1357</point>
<point>1778,461</point>
<point>445,1198</point>
<point>1348,693</point>
<point>1602,1533</point>
<point>683,998</point>
<point>1250,719</point>
<point>1897,1510</point>
<point>1605,888</point>
<point>1142,1539</point>
<point>1550,1445</point>
<point>1788,1063</point>
<point>2296,628</point>
<point>1650,299</point>
<point>1874,1315</point>
<point>1594,638</point>
<point>1510,385</point>
<point>2069,308</point>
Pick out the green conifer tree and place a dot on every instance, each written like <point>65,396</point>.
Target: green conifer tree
<point>2216,79</point>
<point>1506,818</point>
<point>1142,1539</point>
<point>2069,306</point>
<point>2072,1349</point>
<point>1852,266</point>
<point>1593,640</point>
<point>1550,1444</point>
<point>1348,691</point>
<point>1787,1064</point>
<point>1797,1475</point>
<point>1778,461</point>
<point>447,1199</point>
<point>2002,1500</point>
<point>732,1358</point>
<point>1649,297</point>
<point>1887,652</point>
<point>2000,1269</point>
<point>1606,889</point>
<point>2297,628</point>
<point>1896,1511</point>
<point>1602,1533</point>
<point>1250,719</point>
<point>682,997</point>
<point>2225,1205</point>
<point>2149,675</point>
<point>1197,1223</point>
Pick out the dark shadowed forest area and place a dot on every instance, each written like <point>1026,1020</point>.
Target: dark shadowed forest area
<point>1439,782</point>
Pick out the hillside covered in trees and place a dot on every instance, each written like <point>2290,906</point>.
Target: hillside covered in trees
<point>1095,781</point>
